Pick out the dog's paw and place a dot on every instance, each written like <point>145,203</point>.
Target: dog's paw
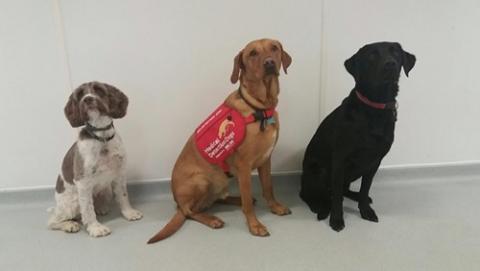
<point>368,213</point>
<point>337,224</point>
<point>98,230</point>
<point>321,215</point>
<point>279,209</point>
<point>132,214</point>
<point>322,211</point>
<point>258,229</point>
<point>216,223</point>
<point>71,226</point>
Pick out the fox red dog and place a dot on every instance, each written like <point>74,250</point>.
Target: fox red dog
<point>235,139</point>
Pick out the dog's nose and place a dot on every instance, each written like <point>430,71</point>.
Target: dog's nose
<point>269,63</point>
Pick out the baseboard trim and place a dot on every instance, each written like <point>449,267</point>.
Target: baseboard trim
<point>434,172</point>
<point>396,174</point>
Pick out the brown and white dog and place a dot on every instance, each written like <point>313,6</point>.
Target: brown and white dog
<point>197,184</point>
<point>93,170</point>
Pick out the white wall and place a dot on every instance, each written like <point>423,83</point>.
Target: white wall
<point>173,59</point>
<point>33,89</point>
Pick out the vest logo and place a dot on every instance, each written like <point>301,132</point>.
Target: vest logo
<point>225,126</point>
<point>220,134</point>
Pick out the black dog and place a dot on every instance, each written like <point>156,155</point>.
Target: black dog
<point>352,141</point>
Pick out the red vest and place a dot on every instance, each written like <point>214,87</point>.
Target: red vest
<point>223,131</point>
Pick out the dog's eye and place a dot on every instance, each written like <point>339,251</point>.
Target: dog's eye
<point>99,91</point>
<point>80,94</point>
<point>373,55</point>
<point>394,51</point>
<point>274,48</point>
<point>253,53</point>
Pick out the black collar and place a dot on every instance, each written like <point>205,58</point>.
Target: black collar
<point>260,114</point>
<point>92,129</point>
<point>240,92</point>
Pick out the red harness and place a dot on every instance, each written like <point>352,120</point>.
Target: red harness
<point>223,131</point>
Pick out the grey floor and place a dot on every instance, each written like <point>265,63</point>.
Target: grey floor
<point>424,225</point>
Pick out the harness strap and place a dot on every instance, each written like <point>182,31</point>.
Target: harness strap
<point>264,116</point>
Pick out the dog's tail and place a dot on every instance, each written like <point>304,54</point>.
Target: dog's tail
<point>172,226</point>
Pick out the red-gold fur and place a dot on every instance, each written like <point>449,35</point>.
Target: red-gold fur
<point>196,184</point>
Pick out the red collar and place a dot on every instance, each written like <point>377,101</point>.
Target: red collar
<point>365,100</point>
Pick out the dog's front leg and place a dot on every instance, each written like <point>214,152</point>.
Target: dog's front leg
<point>337,179</point>
<point>264,172</point>
<point>245,184</point>
<point>121,196</point>
<point>87,210</point>
<point>364,201</point>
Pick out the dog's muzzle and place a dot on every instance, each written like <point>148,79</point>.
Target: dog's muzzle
<point>92,102</point>
<point>270,67</point>
<point>390,71</point>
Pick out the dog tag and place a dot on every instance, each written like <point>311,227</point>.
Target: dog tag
<point>271,120</point>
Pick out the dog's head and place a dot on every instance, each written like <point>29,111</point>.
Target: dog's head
<point>378,64</point>
<point>260,59</point>
<point>94,99</point>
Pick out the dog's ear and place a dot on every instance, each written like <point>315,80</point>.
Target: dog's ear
<point>117,102</point>
<point>352,66</point>
<point>286,60</point>
<point>408,61</point>
<point>72,111</point>
<point>237,66</point>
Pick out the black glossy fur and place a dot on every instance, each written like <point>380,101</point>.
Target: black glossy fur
<point>352,141</point>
